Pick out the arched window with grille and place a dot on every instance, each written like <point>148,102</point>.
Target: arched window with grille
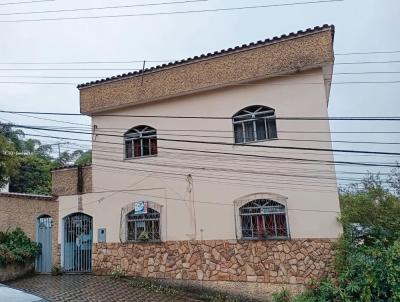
<point>263,219</point>
<point>140,141</point>
<point>143,227</point>
<point>254,123</point>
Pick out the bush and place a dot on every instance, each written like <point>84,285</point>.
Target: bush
<point>367,262</point>
<point>281,296</point>
<point>118,273</point>
<point>16,247</point>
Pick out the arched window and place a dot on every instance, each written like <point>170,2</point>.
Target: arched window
<point>140,141</point>
<point>254,123</point>
<point>143,225</point>
<point>263,219</point>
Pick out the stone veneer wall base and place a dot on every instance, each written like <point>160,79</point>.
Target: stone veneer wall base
<point>248,291</point>
<point>259,265</point>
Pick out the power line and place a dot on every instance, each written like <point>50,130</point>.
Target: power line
<point>367,53</point>
<point>165,133</point>
<point>317,118</point>
<point>221,9</point>
<point>367,62</point>
<point>299,160</point>
<point>25,2</point>
<point>283,84</point>
<point>101,8</point>
<point>105,76</point>
<point>223,143</point>
<point>141,61</point>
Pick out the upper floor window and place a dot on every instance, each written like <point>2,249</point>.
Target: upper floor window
<point>263,219</point>
<point>143,226</point>
<point>140,141</point>
<point>254,123</point>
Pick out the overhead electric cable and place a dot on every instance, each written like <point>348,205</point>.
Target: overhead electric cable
<point>224,143</point>
<point>317,118</point>
<point>221,9</point>
<point>26,2</point>
<point>243,154</point>
<point>100,8</point>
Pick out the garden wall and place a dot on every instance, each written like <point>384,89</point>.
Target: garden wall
<point>22,210</point>
<point>14,271</point>
<point>273,262</point>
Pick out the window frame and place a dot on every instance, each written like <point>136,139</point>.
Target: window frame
<point>144,219</point>
<point>141,134</point>
<point>253,118</point>
<point>281,209</point>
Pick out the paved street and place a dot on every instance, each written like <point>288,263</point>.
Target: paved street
<point>89,288</point>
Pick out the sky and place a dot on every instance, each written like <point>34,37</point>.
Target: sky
<point>361,26</point>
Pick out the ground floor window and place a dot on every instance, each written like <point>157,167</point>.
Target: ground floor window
<point>263,219</point>
<point>143,226</point>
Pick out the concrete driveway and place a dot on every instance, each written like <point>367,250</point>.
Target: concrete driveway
<point>90,288</point>
<point>13,295</point>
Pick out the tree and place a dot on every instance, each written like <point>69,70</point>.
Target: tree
<point>84,159</point>
<point>368,253</point>
<point>8,160</point>
<point>33,176</point>
<point>14,136</point>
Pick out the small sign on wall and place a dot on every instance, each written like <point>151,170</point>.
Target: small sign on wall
<point>141,207</point>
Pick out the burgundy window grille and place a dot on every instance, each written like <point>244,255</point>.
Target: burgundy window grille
<point>263,219</point>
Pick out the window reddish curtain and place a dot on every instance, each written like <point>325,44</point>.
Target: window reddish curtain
<point>259,226</point>
<point>281,229</point>
<point>269,222</point>
<point>153,146</point>
<point>137,149</point>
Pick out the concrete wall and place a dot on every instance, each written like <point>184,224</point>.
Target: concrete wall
<point>22,210</point>
<point>309,188</point>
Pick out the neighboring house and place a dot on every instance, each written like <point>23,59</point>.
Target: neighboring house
<point>160,205</point>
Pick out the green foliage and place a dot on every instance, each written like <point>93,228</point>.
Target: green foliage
<point>14,136</point>
<point>367,261</point>
<point>68,158</point>
<point>57,270</point>
<point>144,236</point>
<point>33,176</point>
<point>16,247</point>
<point>8,160</point>
<point>281,296</point>
<point>84,159</point>
<point>118,273</point>
<point>26,163</point>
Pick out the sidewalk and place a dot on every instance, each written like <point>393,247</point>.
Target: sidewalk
<point>13,295</point>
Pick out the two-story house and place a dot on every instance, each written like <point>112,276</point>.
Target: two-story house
<point>202,168</point>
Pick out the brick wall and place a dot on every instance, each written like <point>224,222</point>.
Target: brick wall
<point>65,180</point>
<point>22,210</point>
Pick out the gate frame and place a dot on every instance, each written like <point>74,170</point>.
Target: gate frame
<point>51,238</point>
<point>62,256</point>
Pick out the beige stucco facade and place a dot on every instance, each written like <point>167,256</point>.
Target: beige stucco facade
<point>205,208</point>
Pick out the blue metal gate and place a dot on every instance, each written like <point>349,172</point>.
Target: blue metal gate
<point>44,227</point>
<point>77,241</point>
